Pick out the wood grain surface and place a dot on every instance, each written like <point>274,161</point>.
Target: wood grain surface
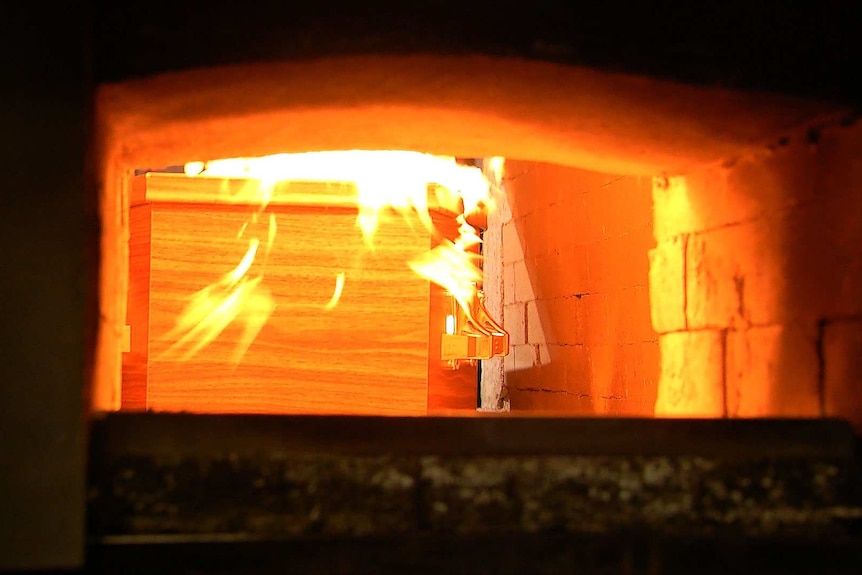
<point>375,352</point>
<point>134,385</point>
<point>159,187</point>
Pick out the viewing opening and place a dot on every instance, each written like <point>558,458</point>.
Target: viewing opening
<point>619,257</point>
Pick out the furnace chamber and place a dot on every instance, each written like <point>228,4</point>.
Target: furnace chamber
<point>704,153</point>
<point>654,251</point>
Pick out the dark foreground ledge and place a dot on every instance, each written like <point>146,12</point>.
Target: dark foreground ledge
<point>627,553</point>
<point>442,493</point>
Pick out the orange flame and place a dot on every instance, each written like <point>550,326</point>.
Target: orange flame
<point>449,266</point>
<point>235,297</point>
<point>393,180</point>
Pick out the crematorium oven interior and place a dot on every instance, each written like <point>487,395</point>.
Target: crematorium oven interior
<point>337,288</point>
<point>650,249</point>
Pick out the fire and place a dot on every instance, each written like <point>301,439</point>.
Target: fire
<point>235,297</point>
<point>452,266</point>
<point>384,182</point>
<point>336,295</point>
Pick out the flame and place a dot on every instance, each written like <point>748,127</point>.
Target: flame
<point>495,167</point>
<point>235,297</point>
<point>450,266</point>
<point>384,182</point>
<point>336,295</point>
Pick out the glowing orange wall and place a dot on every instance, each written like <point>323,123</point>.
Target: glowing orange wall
<point>749,272</point>
<point>575,291</point>
<point>757,282</point>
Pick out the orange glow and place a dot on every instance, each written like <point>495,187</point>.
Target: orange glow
<point>450,266</point>
<point>383,182</point>
<point>495,168</point>
<point>235,297</point>
<point>336,295</point>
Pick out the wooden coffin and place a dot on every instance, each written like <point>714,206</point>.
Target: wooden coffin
<point>377,351</point>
